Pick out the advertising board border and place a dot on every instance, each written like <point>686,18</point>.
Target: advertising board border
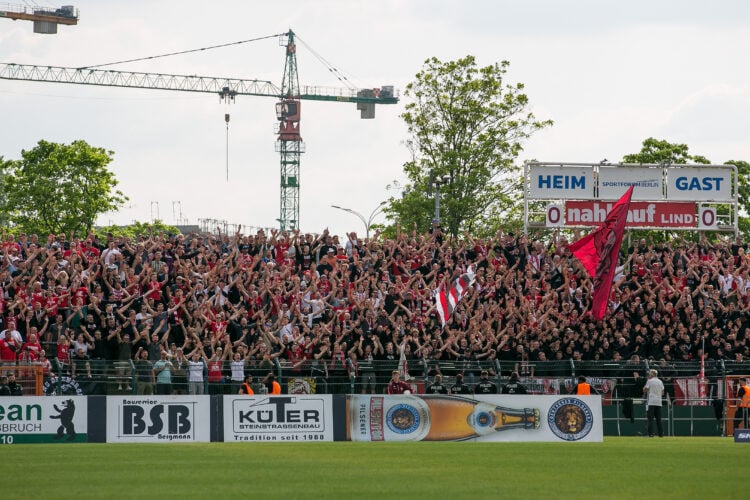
<point>726,210</point>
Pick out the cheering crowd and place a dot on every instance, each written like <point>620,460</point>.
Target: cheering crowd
<point>333,307</point>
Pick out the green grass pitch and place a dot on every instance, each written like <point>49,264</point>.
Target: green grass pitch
<point>618,468</point>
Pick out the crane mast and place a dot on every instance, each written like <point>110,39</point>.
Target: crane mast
<point>289,142</point>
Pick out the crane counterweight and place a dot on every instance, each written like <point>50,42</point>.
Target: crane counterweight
<point>45,19</point>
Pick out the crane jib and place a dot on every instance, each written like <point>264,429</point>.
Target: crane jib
<point>289,139</point>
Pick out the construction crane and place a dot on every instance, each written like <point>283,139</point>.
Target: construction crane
<point>289,143</point>
<point>45,19</point>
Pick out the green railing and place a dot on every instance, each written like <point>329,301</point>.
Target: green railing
<point>624,410</point>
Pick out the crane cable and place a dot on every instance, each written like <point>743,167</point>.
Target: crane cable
<point>182,52</point>
<point>338,74</point>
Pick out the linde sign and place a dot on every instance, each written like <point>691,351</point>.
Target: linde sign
<point>640,214</point>
<point>278,418</point>
<point>699,184</point>
<point>158,419</point>
<point>561,182</point>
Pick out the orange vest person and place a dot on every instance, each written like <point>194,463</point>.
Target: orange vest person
<point>246,388</point>
<point>742,414</point>
<point>745,398</point>
<point>583,388</point>
<point>273,386</point>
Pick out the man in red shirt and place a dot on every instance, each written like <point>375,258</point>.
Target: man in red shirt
<point>8,349</point>
<point>89,251</point>
<point>32,347</point>
<point>398,386</point>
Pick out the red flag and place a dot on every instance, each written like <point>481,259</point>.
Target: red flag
<point>598,252</point>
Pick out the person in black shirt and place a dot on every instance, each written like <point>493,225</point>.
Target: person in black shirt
<point>14,387</point>
<point>485,386</point>
<point>437,386</point>
<point>459,387</point>
<point>513,387</point>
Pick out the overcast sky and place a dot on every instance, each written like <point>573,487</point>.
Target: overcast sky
<point>609,73</point>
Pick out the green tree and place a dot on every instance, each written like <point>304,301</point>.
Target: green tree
<point>660,151</point>
<point>3,214</point>
<point>136,229</point>
<point>665,152</point>
<point>466,127</point>
<point>57,188</point>
<point>743,196</point>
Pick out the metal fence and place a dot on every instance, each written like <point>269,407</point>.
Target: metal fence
<point>620,384</point>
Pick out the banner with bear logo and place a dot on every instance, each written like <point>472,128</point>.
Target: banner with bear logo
<point>54,419</point>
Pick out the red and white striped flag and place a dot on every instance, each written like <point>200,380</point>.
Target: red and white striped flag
<point>446,303</point>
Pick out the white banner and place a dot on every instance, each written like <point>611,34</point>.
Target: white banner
<point>31,419</point>
<point>158,419</point>
<point>707,218</point>
<point>478,418</point>
<point>555,215</point>
<point>561,182</point>
<point>648,182</point>
<point>700,184</point>
<point>278,418</point>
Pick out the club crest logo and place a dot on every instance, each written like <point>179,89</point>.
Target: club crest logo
<point>403,419</point>
<point>570,419</point>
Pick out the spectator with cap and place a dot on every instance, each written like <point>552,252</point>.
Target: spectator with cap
<point>459,387</point>
<point>437,386</point>
<point>514,386</point>
<point>485,386</point>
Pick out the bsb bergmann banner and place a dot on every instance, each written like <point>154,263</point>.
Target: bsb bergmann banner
<point>158,419</point>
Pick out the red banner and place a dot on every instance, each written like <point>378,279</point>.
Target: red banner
<point>690,391</point>
<point>605,387</point>
<point>598,252</point>
<point>640,213</point>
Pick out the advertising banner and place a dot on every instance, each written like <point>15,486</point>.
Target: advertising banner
<point>158,419</point>
<point>699,184</point>
<point>478,418</point>
<point>54,419</point>
<point>547,182</point>
<point>605,387</point>
<point>301,385</point>
<point>648,182</point>
<point>690,391</point>
<point>641,214</point>
<point>707,218</point>
<point>278,418</point>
